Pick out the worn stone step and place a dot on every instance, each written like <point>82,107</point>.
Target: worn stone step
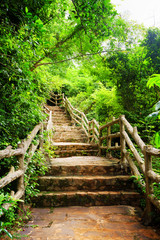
<point>87,198</point>
<point>58,118</point>
<point>61,121</point>
<point>69,135</point>
<point>86,183</point>
<point>68,129</point>
<point>59,112</point>
<point>85,165</point>
<point>70,139</point>
<point>61,116</point>
<point>62,124</point>
<point>75,146</point>
<point>55,109</point>
<point>69,153</point>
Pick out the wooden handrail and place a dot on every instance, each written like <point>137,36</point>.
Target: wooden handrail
<point>104,137</point>
<point>81,119</point>
<point>20,152</point>
<point>133,132</point>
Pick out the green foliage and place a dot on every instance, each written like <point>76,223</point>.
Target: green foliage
<point>37,167</point>
<point>156,168</point>
<point>106,104</point>
<point>4,230</point>
<point>152,43</point>
<point>154,80</point>
<point>33,38</point>
<point>130,71</point>
<point>9,215</point>
<point>157,140</point>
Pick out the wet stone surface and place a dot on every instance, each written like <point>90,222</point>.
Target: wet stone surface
<point>87,223</point>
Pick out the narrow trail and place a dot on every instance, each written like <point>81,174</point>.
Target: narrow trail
<point>84,196</point>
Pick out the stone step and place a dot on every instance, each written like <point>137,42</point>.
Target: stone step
<point>55,109</point>
<point>61,121</point>
<point>74,139</point>
<point>62,124</point>
<point>60,117</point>
<point>68,129</point>
<point>70,153</point>
<point>84,165</point>
<point>68,135</point>
<point>58,112</point>
<point>87,198</point>
<point>85,183</point>
<point>75,146</point>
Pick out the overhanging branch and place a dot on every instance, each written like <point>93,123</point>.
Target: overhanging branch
<point>78,56</point>
<point>58,45</point>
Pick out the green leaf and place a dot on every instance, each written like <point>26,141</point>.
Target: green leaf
<point>153,115</point>
<point>26,9</point>
<point>154,80</point>
<point>157,106</point>
<point>1,198</point>
<point>157,139</point>
<point>8,234</point>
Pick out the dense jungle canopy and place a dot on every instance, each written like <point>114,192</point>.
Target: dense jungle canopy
<point>83,49</point>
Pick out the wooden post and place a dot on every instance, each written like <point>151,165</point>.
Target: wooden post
<point>41,138</point>
<point>56,99</point>
<point>63,100</point>
<point>149,186</point>
<point>100,142</point>
<point>108,153</point>
<point>122,142</point>
<point>82,119</point>
<point>89,132</point>
<point>21,186</point>
<point>93,133</point>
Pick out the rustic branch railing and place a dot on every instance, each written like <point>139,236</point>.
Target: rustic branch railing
<point>127,141</point>
<point>23,147</point>
<point>91,128</point>
<point>56,99</point>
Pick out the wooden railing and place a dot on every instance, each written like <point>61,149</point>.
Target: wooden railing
<point>134,152</point>
<point>56,99</point>
<point>91,128</point>
<point>26,146</point>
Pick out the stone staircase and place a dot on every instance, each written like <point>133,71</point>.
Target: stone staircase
<point>77,176</point>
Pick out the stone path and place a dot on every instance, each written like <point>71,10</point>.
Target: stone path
<point>78,178</point>
<point>88,223</point>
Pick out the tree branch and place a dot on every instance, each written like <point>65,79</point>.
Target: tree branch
<point>60,43</point>
<point>78,56</point>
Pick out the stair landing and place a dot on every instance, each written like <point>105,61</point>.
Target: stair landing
<point>92,223</point>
